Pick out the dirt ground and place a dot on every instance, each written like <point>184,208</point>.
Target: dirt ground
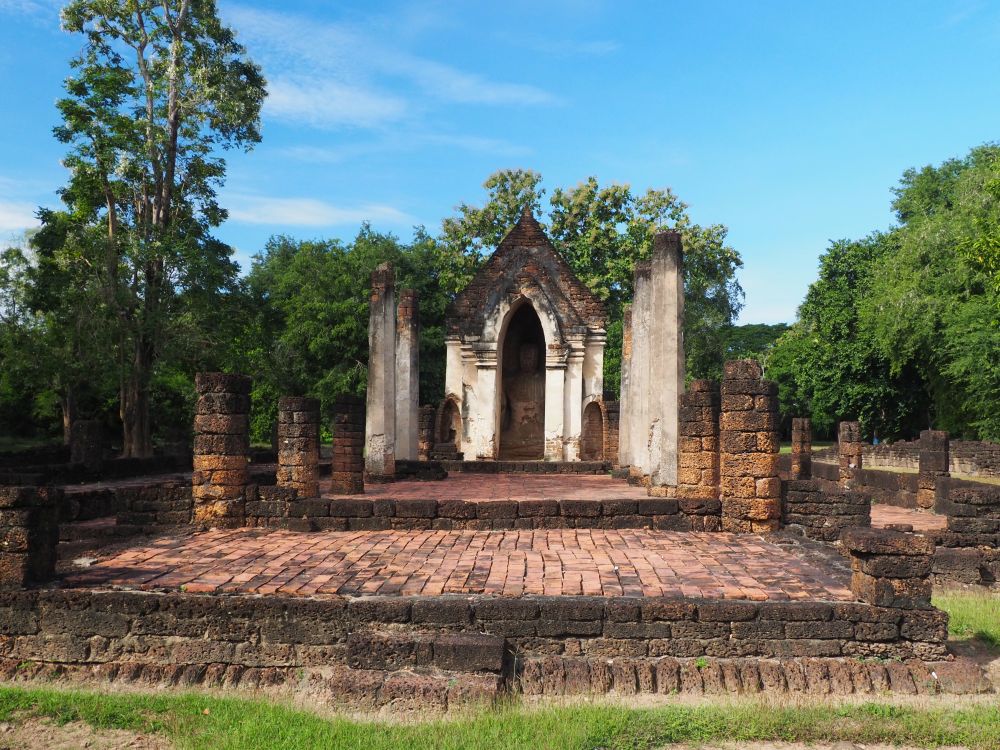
<point>44,734</point>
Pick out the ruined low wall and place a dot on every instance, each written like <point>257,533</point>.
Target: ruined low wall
<point>526,467</point>
<point>972,457</point>
<point>886,487</point>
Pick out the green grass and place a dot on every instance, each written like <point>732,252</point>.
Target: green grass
<point>196,721</point>
<point>816,446</point>
<point>973,615</point>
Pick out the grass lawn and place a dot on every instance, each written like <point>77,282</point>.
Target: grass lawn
<point>197,721</point>
<point>973,614</point>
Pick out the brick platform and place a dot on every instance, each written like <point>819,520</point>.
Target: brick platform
<point>888,515</point>
<point>510,563</point>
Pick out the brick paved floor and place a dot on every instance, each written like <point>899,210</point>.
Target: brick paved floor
<point>479,487</point>
<point>920,520</point>
<point>509,563</point>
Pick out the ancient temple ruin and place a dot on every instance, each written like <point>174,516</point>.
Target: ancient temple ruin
<point>525,342</point>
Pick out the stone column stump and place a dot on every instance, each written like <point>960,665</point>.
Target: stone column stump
<point>298,445</point>
<point>890,568</point>
<point>801,449</point>
<point>849,450</point>
<point>425,432</point>
<point>221,449</point>
<point>348,447</point>
<point>934,463</point>
<point>29,533</point>
<point>749,445</point>
<point>86,443</point>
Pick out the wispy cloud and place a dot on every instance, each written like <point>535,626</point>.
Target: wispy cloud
<point>325,74</point>
<point>16,216</point>
<point>307,212</point>
<point>402,143</point>
<point>561,47</point>
<point>328,103</point>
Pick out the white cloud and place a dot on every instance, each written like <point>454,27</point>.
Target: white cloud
<point>325,103</point>
<point>307,212</point>
<point>402,143</point>
<point>561,47</point>
<point>336,74</point>
<point>16,216</point>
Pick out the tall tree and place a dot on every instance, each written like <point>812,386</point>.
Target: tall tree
<point>159,88</point>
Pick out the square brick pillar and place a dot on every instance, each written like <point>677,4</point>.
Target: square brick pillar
<point>29,533</point>
<point>626,398</point>
<point>425,432</point>
<point>934,463</point>
<point>348,446</point>
<point>221,449</point>
<point>298,445</point>
<point>380,428</point>
<point>849,449</point>
<point>698,447</point>
<point>86,443</point>
<point>612,422</point>
<point>749,445</point>
<point>890,568</point>
<point>801,449</point>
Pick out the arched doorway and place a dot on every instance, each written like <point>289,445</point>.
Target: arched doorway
<point>592,437</point>
<point>522,387</point>
<point>448,430</point>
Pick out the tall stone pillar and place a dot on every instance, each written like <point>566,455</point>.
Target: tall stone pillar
<point>698,445</point>
<point>555,409</point>
<point>221,448</point>
<point>573,413</point>
<point>347,470</point>
<point>625,398</point>
<point>612,427</point>
<point>849,449</point>
<point>749,444</point>
<point>934,463</point>
<point>380,426</point>
<point>407,374</point>
<point>425,432</point>
<point>801,449</point>
<point>298,445</point>
<point>639,387</point>
<point>666,362</point>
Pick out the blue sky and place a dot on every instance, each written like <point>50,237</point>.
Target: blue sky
<point>788,122</point>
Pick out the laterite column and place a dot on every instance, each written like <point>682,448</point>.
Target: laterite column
<point>933,465</point>
<point>425,432</point>
<point>298,445</point>
<point>29,533</point>
<point>749,444</point>
<point>348,447</point>
<point>221,448</point>
<point>801,449</point>
<point>849,449</point>
<point>698,448</point>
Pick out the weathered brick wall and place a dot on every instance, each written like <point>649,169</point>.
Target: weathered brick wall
<point>801,464</point>
<point>190,638</point>
<point>964,456</point>
<point>933,464</point>
<point>29,533</point>
<point>272,507</point>
<point>823,515</point>
<point>969,549</point>
<point>298,445</point>
<point>347,470</point>
<point>698,446</point>
<point>749,445</point>
<point>849,447</point>
<point>221,448</point>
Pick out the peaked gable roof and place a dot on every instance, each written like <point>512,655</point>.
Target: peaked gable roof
<point>525,257</point>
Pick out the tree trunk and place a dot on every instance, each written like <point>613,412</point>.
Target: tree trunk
<point>137,440</point>
<point>67,402</point>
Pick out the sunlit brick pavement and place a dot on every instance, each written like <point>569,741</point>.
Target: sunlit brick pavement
<point>920,520</point>
<point>479,487</point>
<point>509,563</point>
